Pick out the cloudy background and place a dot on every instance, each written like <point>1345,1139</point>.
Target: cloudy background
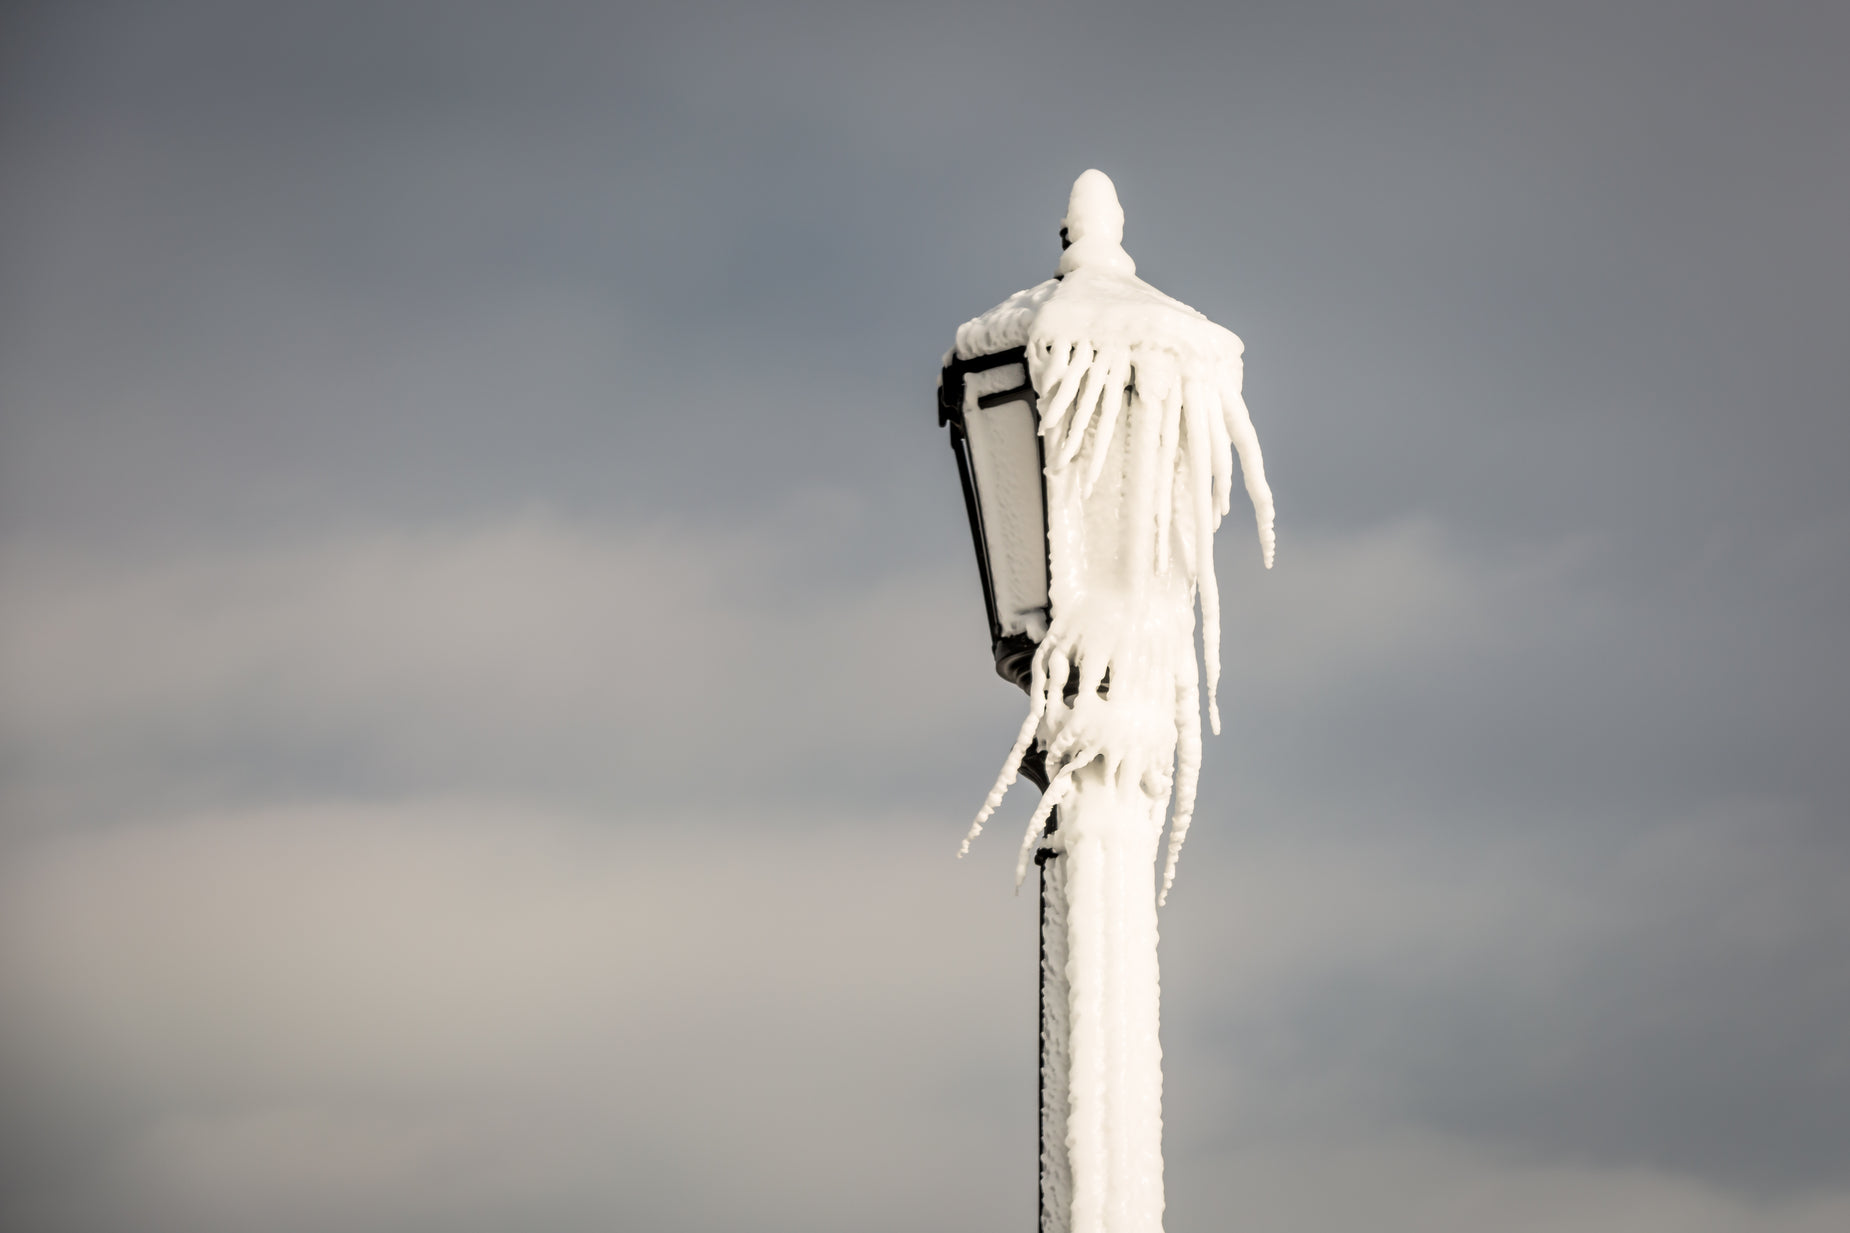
<point>492,677</point>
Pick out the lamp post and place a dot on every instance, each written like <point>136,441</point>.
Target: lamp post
<point>1095,422</point>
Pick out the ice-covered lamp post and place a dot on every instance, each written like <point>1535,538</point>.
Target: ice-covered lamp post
<point>1095,422</point>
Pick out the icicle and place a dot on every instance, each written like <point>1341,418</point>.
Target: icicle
<point>1220,452</point>
<point>1062,398</point>
<point>1037,821</point>
<point>1085,406</point>
<point>1047,364</point>
<point>1037,705</point>
<point>1188,775</point>
<point>1118,393</point>
<point>1201,464</point>
<point>1168,409</point>
<point>1141,474</point>
<point>1252,466</point>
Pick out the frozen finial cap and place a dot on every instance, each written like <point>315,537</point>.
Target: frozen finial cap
<point>1093,209</point>
<point>1094,227</point>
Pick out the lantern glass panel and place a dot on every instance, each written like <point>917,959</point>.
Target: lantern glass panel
<point>1005,455</point>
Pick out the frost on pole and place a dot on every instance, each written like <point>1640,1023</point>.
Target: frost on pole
<point>1140,419</point>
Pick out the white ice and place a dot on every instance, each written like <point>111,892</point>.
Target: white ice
<point>1141,416</point>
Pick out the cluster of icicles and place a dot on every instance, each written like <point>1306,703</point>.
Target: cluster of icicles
<point>1140,416</point>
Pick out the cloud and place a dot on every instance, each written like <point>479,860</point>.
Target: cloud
<point>1390,600</point>
<point>397,824</point>
<point>1664,999</point>
<point>353,815</point>
<point>462,1013</point>
<point>523,654</point>
<point>436,1014</point>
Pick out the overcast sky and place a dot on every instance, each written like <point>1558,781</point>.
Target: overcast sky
<point>492,676</point>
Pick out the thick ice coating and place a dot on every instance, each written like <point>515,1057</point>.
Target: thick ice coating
<point>1141,416</point>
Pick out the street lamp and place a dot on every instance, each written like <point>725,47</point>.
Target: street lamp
<point>1095,422</point>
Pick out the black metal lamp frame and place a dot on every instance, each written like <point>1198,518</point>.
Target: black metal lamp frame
<point>1013,652</point>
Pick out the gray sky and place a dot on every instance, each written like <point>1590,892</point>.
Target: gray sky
<point>492,678</point>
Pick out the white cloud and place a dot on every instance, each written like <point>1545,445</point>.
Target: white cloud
<point>1607,998</point>
<point>459,1014</point>
<point>554,657</point>
<point>1341,610</point>
<point>373,1011</point>
<point>521,982</point>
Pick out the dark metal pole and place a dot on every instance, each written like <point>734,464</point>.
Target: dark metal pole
<point>1034,769</point>
<point>1041,859</point>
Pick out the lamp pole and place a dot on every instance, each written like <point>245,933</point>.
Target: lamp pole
<point>1095,422</point>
